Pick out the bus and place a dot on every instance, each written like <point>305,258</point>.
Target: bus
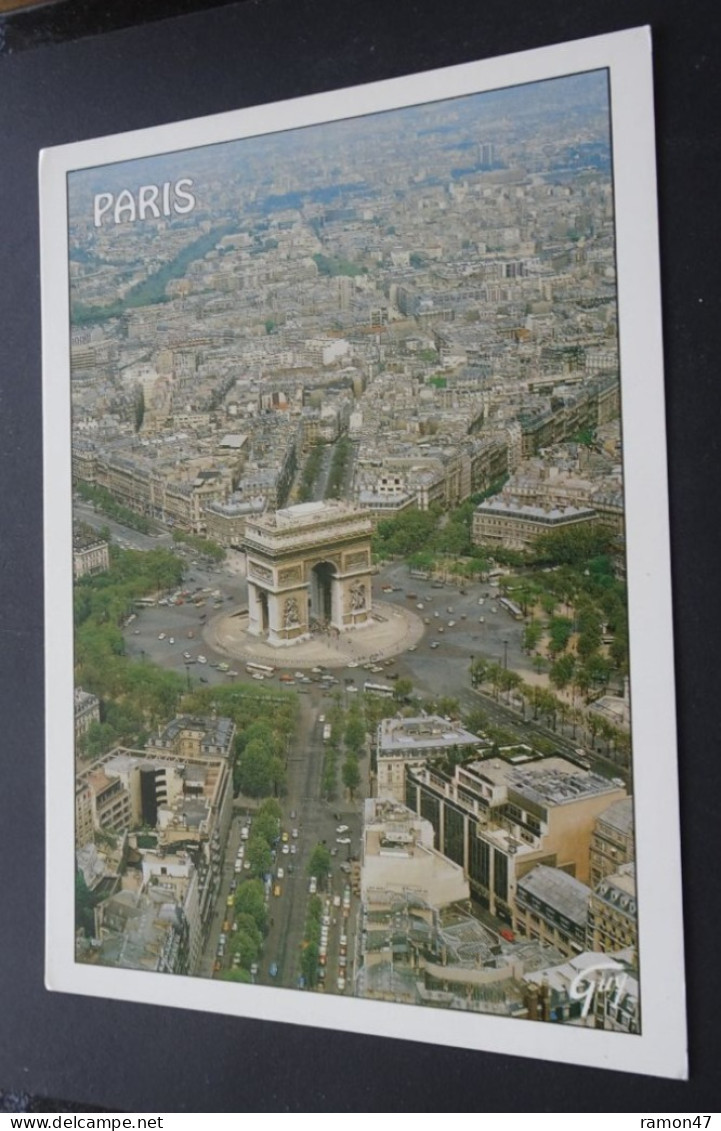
<point>511,607</point>
<point>381,689</point>
<point>259,669</point>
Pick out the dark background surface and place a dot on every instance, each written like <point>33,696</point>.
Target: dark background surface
<point>60,81</point>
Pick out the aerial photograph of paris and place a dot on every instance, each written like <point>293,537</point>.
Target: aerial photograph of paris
<point>351,683</point>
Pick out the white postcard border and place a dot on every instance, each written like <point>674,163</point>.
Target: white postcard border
<point>661,1049</point>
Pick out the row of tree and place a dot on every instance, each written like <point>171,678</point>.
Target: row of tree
<point>103,501</point>
<point>543,704</point>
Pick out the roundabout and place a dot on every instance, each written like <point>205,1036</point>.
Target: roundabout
<point>390,630</point>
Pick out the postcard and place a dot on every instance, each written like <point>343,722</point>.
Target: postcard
<point>360,702</point>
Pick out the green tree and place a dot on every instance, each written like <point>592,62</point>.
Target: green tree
<point>139,410</point>
<point>258,855</point>
<point>250,900</point>
<point>309,963</point>
<point>236,974</point>
<point>244,944</point>
<point>355,733</point>
<point>351,774</point>
<point>560,630</point>
<point>402,689</point>
<point>562,670</point>
<point>320,861</point>
<point>532,634</point>
<point>256,770</point>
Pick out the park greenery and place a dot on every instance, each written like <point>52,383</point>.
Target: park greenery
<point>134,696</point>
<point>435,538</point>
<point>333,265</point>
<point>264,720</point>
<point>152,289</point>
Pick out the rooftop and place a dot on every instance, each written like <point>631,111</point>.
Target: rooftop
<point>558,890</point>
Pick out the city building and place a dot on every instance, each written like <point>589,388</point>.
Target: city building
<point>515,526</point>
<point>402,742</point>
<point>552,906</point>
<point>498,819</point>
<point>612,841</point>
<point>613,913</point>
<point>87,711</point>
<point>91,554</point>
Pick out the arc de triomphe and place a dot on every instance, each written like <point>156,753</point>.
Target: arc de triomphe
<point>309,567</point>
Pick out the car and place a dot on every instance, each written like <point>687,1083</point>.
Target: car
<point>285,837</point>
<point>451,624</point>
<point>411,649</point>
<point>257,675</point>
<point>293,849</point>
<point>340,984</point>
<point>202,660</point>
<point>342,829</point>
<point>229,901</point>
<point>136,632</point>
<point>171,640</point>
<point>273,970</point>
<point>345,867</point>
<point>161,636</point>
<point>342,840</point>
<point>336,900</point>
<point>294,833</point>
<point>436,614</point>
<point>507,934</point>
<point>246,865</point>
<point>313,885</point>
<point>280,874</point>
<point>254,968</point>
<point>276,890</point>
<point>481,620</point>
